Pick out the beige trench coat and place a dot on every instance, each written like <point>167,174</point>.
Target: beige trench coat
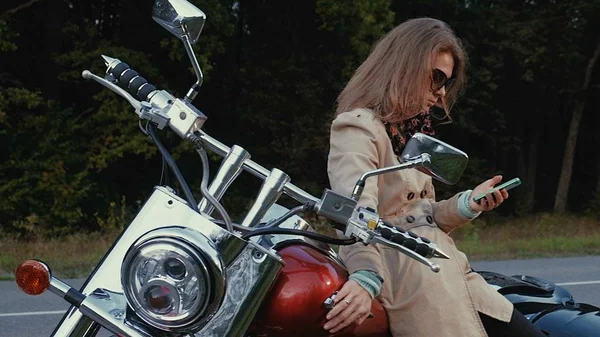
<point>418,301</point>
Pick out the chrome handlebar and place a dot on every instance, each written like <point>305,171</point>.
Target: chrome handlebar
<point>360,223</point>
<point>364,224</point>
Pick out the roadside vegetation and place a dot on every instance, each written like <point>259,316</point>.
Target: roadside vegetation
<point>69,256</point>
<point>542,235</point>
<point>487,238</point>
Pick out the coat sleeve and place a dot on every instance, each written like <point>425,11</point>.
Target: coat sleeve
<point>354,150</point>
<point>446,214</point>
<point>355,143</point>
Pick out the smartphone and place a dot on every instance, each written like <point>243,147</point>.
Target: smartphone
<point>507,185</point>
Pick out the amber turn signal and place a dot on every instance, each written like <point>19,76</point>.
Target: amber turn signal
<point>33,277</point>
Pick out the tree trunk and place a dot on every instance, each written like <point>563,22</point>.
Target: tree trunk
<point>594,204</point>
<point>562,191</point>
<point>527,169</point>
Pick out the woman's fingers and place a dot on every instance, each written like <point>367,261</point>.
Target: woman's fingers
<point>497,197</point>
<point>337,311</point>
<point>491,199</point>
<point>494,199</point>
<point>495,179</point>
<point>353,312</point>
<point>344,317</point>
<point>350,318</point>
<point>352,302</point>
<point>490,203</point>
<point>340,297</point>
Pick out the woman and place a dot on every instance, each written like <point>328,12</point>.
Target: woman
<point>417,65</point>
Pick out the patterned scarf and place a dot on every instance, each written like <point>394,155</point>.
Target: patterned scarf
<point>400,134</point>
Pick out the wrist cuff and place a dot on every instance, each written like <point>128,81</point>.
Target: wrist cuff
<point>464,208</point>
<point>368,280</point>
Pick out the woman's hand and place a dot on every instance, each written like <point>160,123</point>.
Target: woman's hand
<point>489,202</point>
<point>352,304</point>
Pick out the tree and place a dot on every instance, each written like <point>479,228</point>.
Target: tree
<point>87,151</point>
<point>273,70</point>
<point>567,166</point>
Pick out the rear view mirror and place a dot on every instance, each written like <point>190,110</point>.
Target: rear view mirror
<point>446,163</point>
<point>185,21</point>
<point>179,17</point>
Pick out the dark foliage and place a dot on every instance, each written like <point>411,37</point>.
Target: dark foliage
<point>73,157</point>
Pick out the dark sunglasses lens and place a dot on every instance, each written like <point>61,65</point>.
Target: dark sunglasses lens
<point>439,79</point>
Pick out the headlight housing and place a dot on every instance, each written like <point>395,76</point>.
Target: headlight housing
<point>173,278</point>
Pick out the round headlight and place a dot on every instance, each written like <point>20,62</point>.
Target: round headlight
<point>172,282</point>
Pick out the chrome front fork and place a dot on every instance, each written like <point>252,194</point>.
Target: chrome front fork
<point>250,271</point>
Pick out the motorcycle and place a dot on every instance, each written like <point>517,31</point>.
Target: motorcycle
<point>548,306</point>
<point>183,268</point>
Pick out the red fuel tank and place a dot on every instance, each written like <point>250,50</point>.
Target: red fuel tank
<point>295,305</point>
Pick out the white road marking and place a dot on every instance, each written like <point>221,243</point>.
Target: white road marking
<point>577,283</point>
<point>12,314</point>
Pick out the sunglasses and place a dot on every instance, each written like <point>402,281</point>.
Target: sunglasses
<point>439,80</point>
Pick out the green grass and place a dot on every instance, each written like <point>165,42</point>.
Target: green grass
<point>543,235</point>
<point>71,256</point>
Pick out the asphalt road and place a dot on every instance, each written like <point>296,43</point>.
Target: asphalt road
<point>579,275</point>
<point>34,316</point>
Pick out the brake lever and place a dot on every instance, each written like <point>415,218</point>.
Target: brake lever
<point>435,252</point>
<point>88,75</point>
<point>369,236</point>
<point>143,109</point>
<point>433,266</point>
<point>364,224</point>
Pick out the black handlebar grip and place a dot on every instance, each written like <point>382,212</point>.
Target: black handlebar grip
<point>409,243</point>
<point>386,233</point>
<point>145,91</point>
<point>394,237</point>
<point>422,249</point>
<point>118,69</point>
<point>130,79</point>
<point>126,76</point>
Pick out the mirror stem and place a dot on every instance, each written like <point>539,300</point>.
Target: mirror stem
<point>193,92</point>
<point>358,189</point>
<point>360,184</point>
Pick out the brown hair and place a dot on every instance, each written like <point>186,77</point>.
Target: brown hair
<point>392,81</point>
